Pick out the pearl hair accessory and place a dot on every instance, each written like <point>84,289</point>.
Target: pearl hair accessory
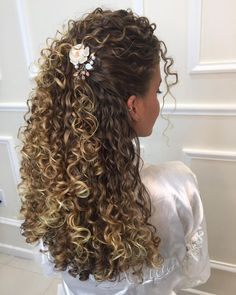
<point>79,54</point>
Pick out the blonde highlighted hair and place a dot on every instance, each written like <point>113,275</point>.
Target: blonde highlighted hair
<point>81,191</point>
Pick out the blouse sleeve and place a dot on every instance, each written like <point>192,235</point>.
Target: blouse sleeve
<point>195,267</point>
<point>179,218</point>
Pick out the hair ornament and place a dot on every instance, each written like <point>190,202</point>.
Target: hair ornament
<point>79,55</point>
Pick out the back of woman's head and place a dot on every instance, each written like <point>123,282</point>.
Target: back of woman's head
<point>81,188</point>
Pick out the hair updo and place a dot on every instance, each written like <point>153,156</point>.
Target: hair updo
<point>81,191</point>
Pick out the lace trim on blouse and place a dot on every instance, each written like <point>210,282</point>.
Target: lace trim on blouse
<point>194,245</point>
<point>149,274</point>
<point>193,248</point>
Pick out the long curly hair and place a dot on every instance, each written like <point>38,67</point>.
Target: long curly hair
<point>81,190</point>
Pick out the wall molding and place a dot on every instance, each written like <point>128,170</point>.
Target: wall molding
<point>181,109</point>
<point>8,141</point>
<point>11,221</point>
<point>199,292</point>
<point>213,67</point>
<point>13,107</point>
<point>11,249</point>
<point>200,110</point>
<point>195,66</point>
<point>203,154</point>
<point>26,38</point>
<point>220,265</point>
<point>16,251</point>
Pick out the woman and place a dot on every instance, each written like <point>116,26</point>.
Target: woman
<point>110,224</point>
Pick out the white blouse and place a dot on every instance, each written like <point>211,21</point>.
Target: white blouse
<point>178,215</point>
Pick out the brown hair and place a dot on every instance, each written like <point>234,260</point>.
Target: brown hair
<point>81,190</point>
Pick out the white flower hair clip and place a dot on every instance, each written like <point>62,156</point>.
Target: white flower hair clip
<point>79,54</point>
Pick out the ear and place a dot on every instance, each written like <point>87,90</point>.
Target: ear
<point>134,107</point>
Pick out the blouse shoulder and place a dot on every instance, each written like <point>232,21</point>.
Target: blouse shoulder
<point>175,185</point>
<point>165,168</point>
<point>168,177</point>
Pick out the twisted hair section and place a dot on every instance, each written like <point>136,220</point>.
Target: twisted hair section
<point>81,191</point>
